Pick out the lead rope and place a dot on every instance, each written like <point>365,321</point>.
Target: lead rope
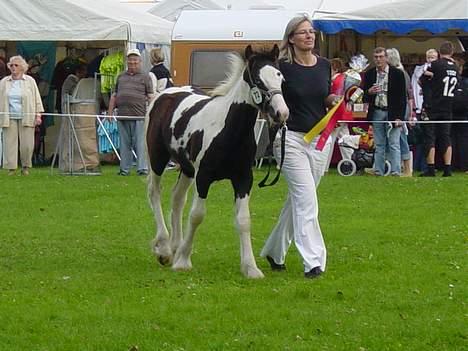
<point>284,128</point>
<point>262,183</point>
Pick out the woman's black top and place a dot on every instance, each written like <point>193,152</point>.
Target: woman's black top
<point>160,71</point>
<point>304,90</point>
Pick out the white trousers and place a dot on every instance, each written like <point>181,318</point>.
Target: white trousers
<point>302,168</point>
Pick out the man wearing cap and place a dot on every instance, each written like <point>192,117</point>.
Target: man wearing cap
<point>133,91</point>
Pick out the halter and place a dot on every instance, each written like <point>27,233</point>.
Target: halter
<point>260,96</point>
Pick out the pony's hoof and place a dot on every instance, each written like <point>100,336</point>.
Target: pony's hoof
<point>182,265</point>
<point>162,253</point>
<point>253,273</point>
<point>164,260</point>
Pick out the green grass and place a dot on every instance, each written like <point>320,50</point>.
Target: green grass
<point>77,273</point>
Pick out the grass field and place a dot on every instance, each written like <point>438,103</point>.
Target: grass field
<point>77,273</point>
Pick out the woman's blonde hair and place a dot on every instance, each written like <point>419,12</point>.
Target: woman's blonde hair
<point>20,60</point>
<point>393,58</point>
<point>286,48</point>
<point>156,56</point>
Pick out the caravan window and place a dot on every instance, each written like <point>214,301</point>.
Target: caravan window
<point>208,68</point>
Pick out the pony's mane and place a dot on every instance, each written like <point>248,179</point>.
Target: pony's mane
<point>237,63</point>
<point>237,66</point>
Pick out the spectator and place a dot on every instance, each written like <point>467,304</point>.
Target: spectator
<point>3,69</point>
<point>440,80</point>
<point>161,79</point>
<point>133,91</point>
<point>160,75</point>
<point>460,113</point>
<point>21,108</point>
<point>421,98</point>
<point>306,90</point>
<point>385,91</point>
<point>406,158</point>
<point>3,73</point>
<point>338,69</point>
<point>71,82</point>
<point>431,56</point>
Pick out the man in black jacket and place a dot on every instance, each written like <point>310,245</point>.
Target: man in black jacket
<point>385,92</point>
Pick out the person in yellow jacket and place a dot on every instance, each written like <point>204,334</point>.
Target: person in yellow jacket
<point>20,111</point>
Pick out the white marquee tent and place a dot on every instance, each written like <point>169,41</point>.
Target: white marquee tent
<point>326,6</point>
<point>171,9</point>
<point>79,20</point>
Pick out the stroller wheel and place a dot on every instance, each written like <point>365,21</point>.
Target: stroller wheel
<point>346,168</point>
<point>388,167</point>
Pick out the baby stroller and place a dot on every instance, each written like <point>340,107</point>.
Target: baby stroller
<point>363,155</point>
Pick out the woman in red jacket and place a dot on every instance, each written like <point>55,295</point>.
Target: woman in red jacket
<point>338,69</point>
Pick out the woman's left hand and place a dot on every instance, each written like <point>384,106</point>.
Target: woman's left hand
<point>38,120</point>
<point>332,99</point>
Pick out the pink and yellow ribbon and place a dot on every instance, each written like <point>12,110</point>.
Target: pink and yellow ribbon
<point>320,126</point>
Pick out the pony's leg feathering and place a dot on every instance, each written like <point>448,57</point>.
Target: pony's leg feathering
<point>248,265</point>
<point>179,199</point>
<point>182,261</point>
<point>160,244</point>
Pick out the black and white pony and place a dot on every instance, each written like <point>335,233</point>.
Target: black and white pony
<point>211,138</point>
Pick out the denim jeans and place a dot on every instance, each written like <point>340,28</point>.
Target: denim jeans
<point>386,138</point>
<point>404,147</point>
<point>419,163</point>
<point>132,137</point>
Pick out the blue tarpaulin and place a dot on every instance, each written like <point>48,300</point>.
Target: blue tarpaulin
<point>435,16</point>
<point>395,26</point>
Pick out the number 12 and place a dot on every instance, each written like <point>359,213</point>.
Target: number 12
<point>449,85</point>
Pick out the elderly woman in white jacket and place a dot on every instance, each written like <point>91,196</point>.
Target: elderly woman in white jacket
<point>20,111</point>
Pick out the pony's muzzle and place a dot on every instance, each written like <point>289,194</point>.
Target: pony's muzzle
<point>280,109</point>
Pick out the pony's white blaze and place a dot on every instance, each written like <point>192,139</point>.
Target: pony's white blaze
<point>279,106</point>
<point>272,78</point>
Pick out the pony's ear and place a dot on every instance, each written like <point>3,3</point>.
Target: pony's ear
<point>275,51</point>
<point>248,52</point>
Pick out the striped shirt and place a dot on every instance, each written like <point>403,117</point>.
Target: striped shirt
<point>131,93</point>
